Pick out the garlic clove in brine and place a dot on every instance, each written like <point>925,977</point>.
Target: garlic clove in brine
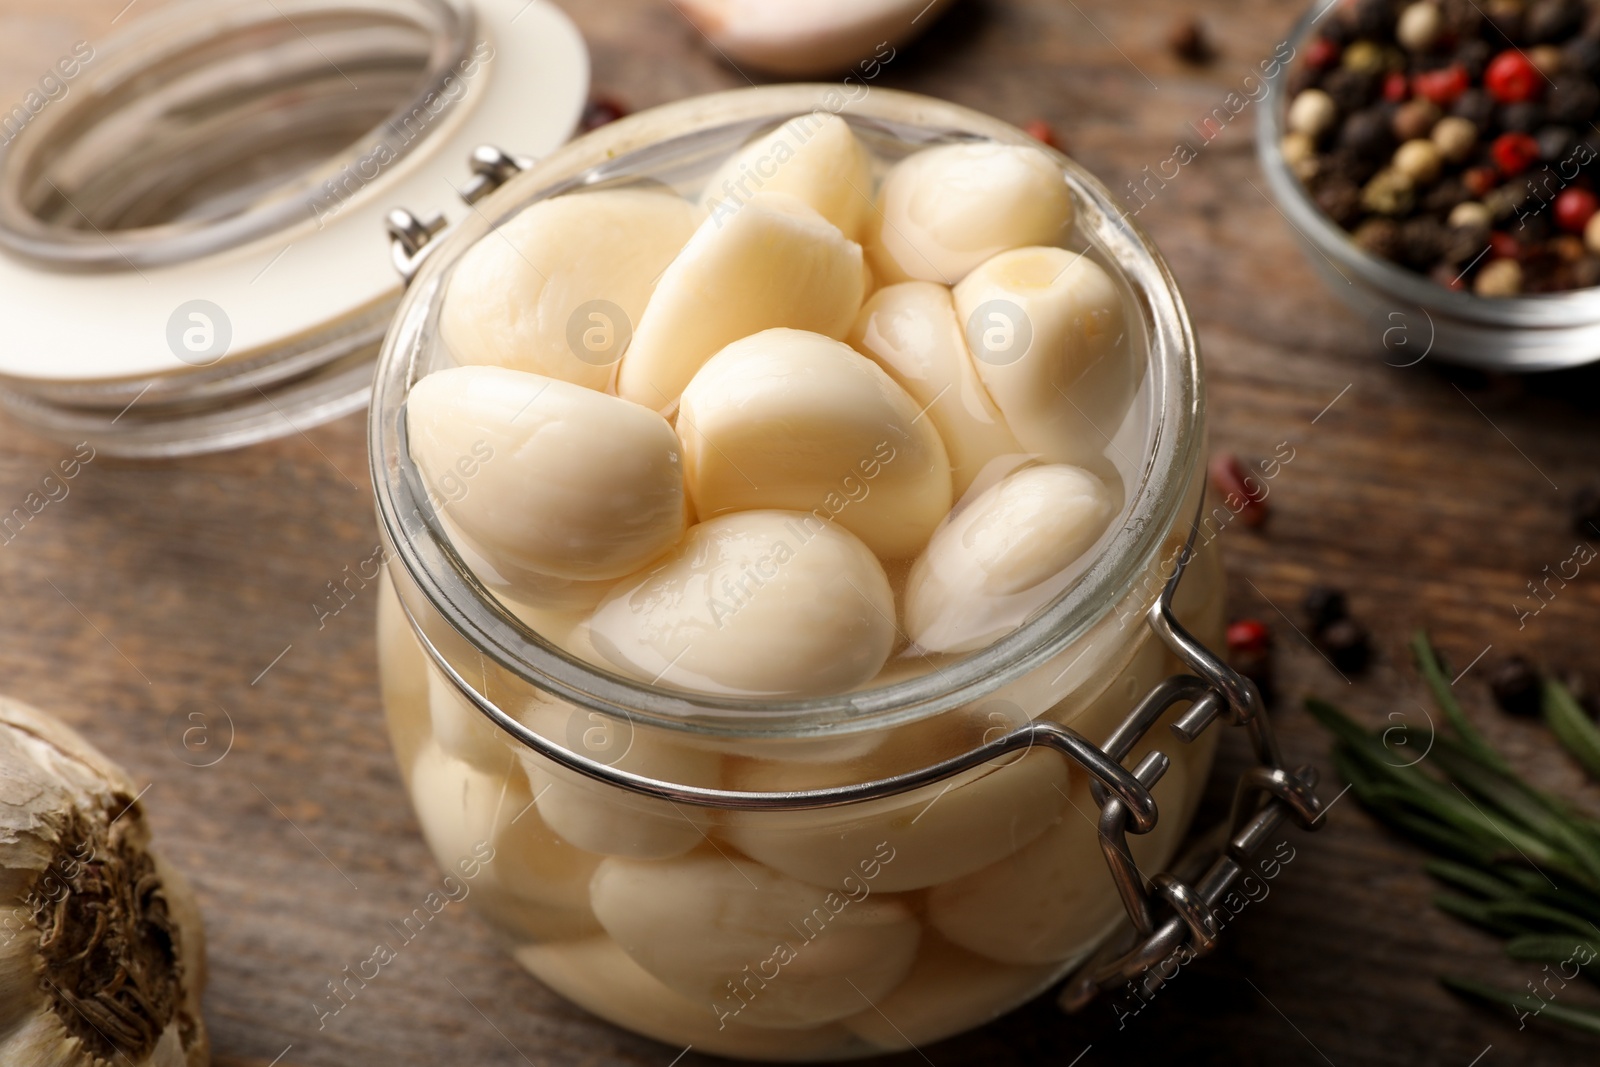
<point>101,946</point>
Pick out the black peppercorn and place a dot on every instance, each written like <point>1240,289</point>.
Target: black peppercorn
<point>1462,245</point>
<point>1474,56</point>
<point>1523,117</point>
<point>1476,106</point>
<point>1464,18</point>
<point>1516,687</point>
<point>1549,20</point>
<point>1368,133</point>
<point>1352,89</point>
<point>1506,21</point>
<point>1582,55</point>
<point>1586,512</point>
<point>1443,196</point>
<point>1585,274</point>
<point>1422,241</point>
<point>1340,199</point>
<point>1573,100</point>
<point>1372,18</point>
<point>1323,606</point>
<point>1381,237</point>
<point>1347,644</point>
<point>1555,143</point>
<point>1189,41</point>
<point>1533,227</point>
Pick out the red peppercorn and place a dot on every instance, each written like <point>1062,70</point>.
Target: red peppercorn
<point>1514,152</point>
<point>1573,208</point>
<point>1441,86</point>
<point>1248,635</point>
<point>1322,53</point>
<point>601,111</point>
<point>1242,494</point>
<point>1479,180</point>
<point>1503,246</point>
<point>1395,87</point>
<point>1041,131</point>
<point>1512,78</point>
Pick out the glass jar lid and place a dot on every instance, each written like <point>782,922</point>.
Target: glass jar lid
<point>193,230</point>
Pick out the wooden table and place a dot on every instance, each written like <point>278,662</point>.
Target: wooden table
<point>157,590</point>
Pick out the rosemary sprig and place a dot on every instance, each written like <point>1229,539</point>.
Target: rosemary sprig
<point>1515,861</point>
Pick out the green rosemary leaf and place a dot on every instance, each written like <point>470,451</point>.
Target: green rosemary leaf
<point>1475,912</point>
<point>1572,726</point>
<point>1530,916</point>
<point>1470,879</point>
<point>1530,1006</point>
<point>1554,948</point>
<point>1433,674</point>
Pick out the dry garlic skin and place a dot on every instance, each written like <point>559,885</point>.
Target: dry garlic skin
<point>761,603</point>
<point>772,263</point>
<point>813,157</point>
<point>752,945</point>
<point>911,331</point>
<point>1017,535</point>
<point>523,297</point>
<point>801,422</point>
<point>1038,319</point>
<point>945,210</point>
<point>546,477</point>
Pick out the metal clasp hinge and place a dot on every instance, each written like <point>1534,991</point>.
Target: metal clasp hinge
<point>1265,796</point>
<point>411,237</point>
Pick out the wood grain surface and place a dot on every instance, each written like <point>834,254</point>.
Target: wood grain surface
<point>156,592</point>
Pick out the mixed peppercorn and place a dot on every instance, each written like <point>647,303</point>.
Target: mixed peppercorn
<point>1457,138</point>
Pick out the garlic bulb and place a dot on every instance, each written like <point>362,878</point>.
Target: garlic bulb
<point>101,948</point>
<point>801,38</point>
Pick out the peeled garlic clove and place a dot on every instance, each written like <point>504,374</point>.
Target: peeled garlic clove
<point>964,591</point>
<point>403,676</point>
<point>803,38</point>
<point>934,834</point>
<point>124,929</point>
<point>813,157</point>
<point>911,331</point>
<point>798,421</point>
<point>599,977</point>
<point>1054,900</point>
<point>945,210</point>
<point>772,262</point>
<point>949,990</point>
<point>559,289</point>
<point>601,818</point>
<point>489,824</point>
<point>1038,320</point>
<point>462,730</point>
<point>761,603</point>
<point>544,478</point>
<point>759,948</point>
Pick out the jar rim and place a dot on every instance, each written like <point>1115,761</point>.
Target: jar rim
<point>418,543</point>
<point>1534,312</point>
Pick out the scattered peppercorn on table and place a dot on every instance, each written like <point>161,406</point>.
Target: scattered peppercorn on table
<point>209,622</point>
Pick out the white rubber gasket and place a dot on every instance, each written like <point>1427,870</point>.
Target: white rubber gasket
<point>526,97</point>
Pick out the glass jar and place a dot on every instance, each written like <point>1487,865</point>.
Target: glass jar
<point>1409,315</point>
<point>833,877</point>
<point>189,258</point>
